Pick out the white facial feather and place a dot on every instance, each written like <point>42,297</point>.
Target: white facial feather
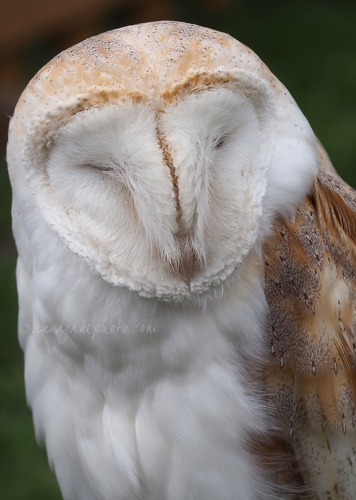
<point>147,166</point>
<point>114,191</point>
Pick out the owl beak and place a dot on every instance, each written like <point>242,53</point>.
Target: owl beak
<point>185,265</point>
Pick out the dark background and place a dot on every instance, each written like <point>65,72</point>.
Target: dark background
<point>309,45</point>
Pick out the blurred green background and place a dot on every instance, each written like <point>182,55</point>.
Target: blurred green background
<point>309,45</point>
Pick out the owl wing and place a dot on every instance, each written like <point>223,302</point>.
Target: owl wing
<point>310,286</point>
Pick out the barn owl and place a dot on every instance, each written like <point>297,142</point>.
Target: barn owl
<point>185,274</point>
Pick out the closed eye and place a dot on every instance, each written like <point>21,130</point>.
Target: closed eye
<point>219,143</point>
<point>100,168</point>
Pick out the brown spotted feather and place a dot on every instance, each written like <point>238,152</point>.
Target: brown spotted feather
<point>310,285</point>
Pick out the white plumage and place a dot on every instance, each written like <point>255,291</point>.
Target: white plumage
<point>149,165</point>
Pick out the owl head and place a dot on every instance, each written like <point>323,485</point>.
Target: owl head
<point>160,153</point>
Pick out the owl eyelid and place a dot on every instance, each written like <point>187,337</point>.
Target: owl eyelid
<point>220,142</point>
<point>100,168</point>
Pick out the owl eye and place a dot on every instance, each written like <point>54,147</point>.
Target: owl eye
<point>100,168</point>
<point>219,142</point>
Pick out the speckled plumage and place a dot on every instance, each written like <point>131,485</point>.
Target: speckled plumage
<point>310,289</point>
<point>185,274</point>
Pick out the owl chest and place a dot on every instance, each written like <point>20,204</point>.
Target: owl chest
<point>152,391</point>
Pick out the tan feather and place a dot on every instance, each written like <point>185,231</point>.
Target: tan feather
<point>311,378</point>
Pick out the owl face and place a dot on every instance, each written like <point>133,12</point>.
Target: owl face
<point>162,167</point>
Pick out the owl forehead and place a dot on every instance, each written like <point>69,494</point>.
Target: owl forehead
<point>148,59</point>
<point>151,56</point>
